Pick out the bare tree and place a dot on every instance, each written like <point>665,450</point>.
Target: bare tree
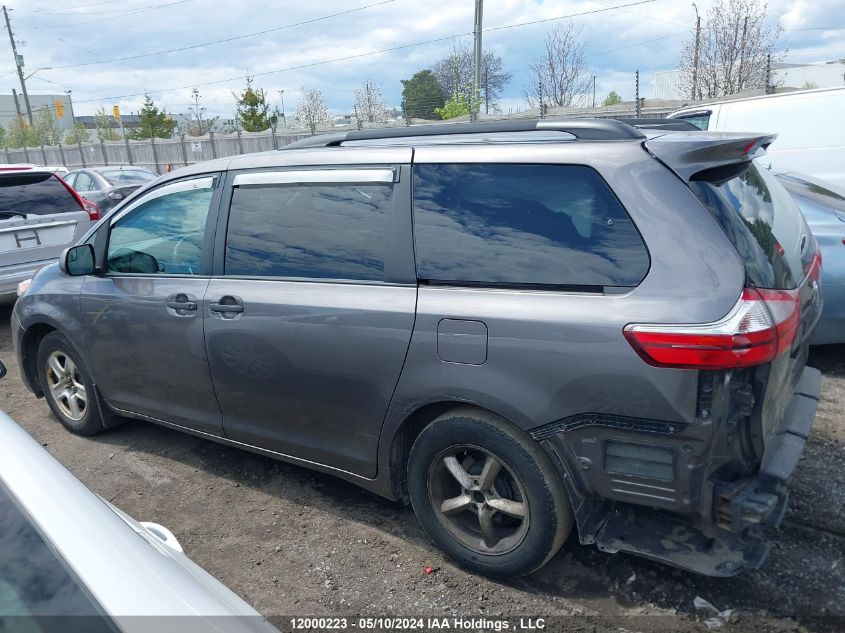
<point>200,124</point>
<point>734,51</point>
<point>311,111</point>
<point>560,75</point>
<point>370,105</point>
<point>455,74</point>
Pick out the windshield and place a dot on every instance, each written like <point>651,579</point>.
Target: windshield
<point>762,221</point>
<point>36,586</point>
<point>127,176</point>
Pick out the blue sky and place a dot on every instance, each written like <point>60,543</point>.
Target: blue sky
<point>74,33</point>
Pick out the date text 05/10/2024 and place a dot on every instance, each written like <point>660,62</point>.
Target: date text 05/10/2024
<point>411,624</point>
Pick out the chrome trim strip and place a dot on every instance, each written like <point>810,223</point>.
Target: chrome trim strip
<point>295,176</point>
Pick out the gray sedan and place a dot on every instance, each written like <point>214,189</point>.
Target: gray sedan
<point>71,562</point>
<point>106,186</point>
<point>824,210</point>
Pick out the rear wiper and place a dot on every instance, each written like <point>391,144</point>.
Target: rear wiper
<point>19,213</point>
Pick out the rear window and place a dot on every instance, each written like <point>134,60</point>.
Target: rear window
<point>38,592</point>
<point>762,221</point>
<point>523,225</point>
<point>127,176</point>
<point>34,194</point>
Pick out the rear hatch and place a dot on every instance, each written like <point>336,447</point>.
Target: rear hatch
<point>781,257</point>
<point>39,216</point>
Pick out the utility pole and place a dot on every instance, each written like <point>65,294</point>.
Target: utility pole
<point>17,103</point>
<point>476,88</point>
<point>282,98</point>
<point>637,96</point>
<point>486,90</point>
<point>70,102</point>
<point>18,65</point>
<point>696,55</point>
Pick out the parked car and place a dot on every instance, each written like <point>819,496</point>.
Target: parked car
<point>60,170</point>
<point>106,186</point>
<point>39,216</point>
<point>70,562</point>
<point>811,137</point>
<point>589,324</point>
<point>824,211</point>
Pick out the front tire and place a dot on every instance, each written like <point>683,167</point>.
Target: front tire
<point>67,386</point>
<point>487,494</point>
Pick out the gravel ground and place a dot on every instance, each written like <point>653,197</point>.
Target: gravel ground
<point>293,542</point>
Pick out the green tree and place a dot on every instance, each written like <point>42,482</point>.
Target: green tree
<point>20,134</point>
<point>252,110</point>
<point>77,134</point>
<point>2,136</point>
<point>422,95</point>
<point>45,129</point>
<point>152,122</point>
<point>612,99</point>
<point>457,106</point>
<point>106,126</point>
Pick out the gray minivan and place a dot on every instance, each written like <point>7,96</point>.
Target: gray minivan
<point>516,327</point>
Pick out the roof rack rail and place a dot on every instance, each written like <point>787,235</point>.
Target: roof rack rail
<point>582,129</point>
<point>671,125</point>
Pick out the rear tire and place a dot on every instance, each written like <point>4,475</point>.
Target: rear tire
<point>67,386</point>
<point>487,494</point>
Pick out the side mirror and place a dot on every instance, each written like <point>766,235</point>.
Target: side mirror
<point>2,369</point>
<point>77,260</point>
<point>116,195</point>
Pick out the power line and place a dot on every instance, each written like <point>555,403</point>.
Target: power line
<point>640,15</point>
<point>125,13</point>
<point>572,15</point>
<point>818,28</point>
<point>361,55</point>
<point>224,40</point>
<point>86,14</point>
<point>79,6</point>
<point>621,48</point>
<point>279,70</point>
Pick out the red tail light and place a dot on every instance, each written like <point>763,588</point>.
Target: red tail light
<point>86,205</point>
<point>761,326</point>
<point>92,209</point>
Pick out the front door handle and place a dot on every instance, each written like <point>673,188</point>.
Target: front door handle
<point>181,302</point>
<point>227,305</point>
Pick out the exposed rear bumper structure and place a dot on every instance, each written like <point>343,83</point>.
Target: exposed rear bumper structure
<point>745,511</point>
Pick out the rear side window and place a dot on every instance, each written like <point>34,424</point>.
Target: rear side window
<point>34,194</point>
<point>317,231</point>
<point>761,219</point>
<point>524,225</point>
<point>701,120</point>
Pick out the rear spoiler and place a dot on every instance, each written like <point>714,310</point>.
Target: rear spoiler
<point>687,153</point>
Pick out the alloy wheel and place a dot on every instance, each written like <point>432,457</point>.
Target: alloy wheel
<point>478,499</point>
<point>66,387</point>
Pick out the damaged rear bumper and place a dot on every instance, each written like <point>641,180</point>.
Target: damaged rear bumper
<point>736,536</point>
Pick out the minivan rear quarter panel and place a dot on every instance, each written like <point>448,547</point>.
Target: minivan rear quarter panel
<point>553,354</point>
